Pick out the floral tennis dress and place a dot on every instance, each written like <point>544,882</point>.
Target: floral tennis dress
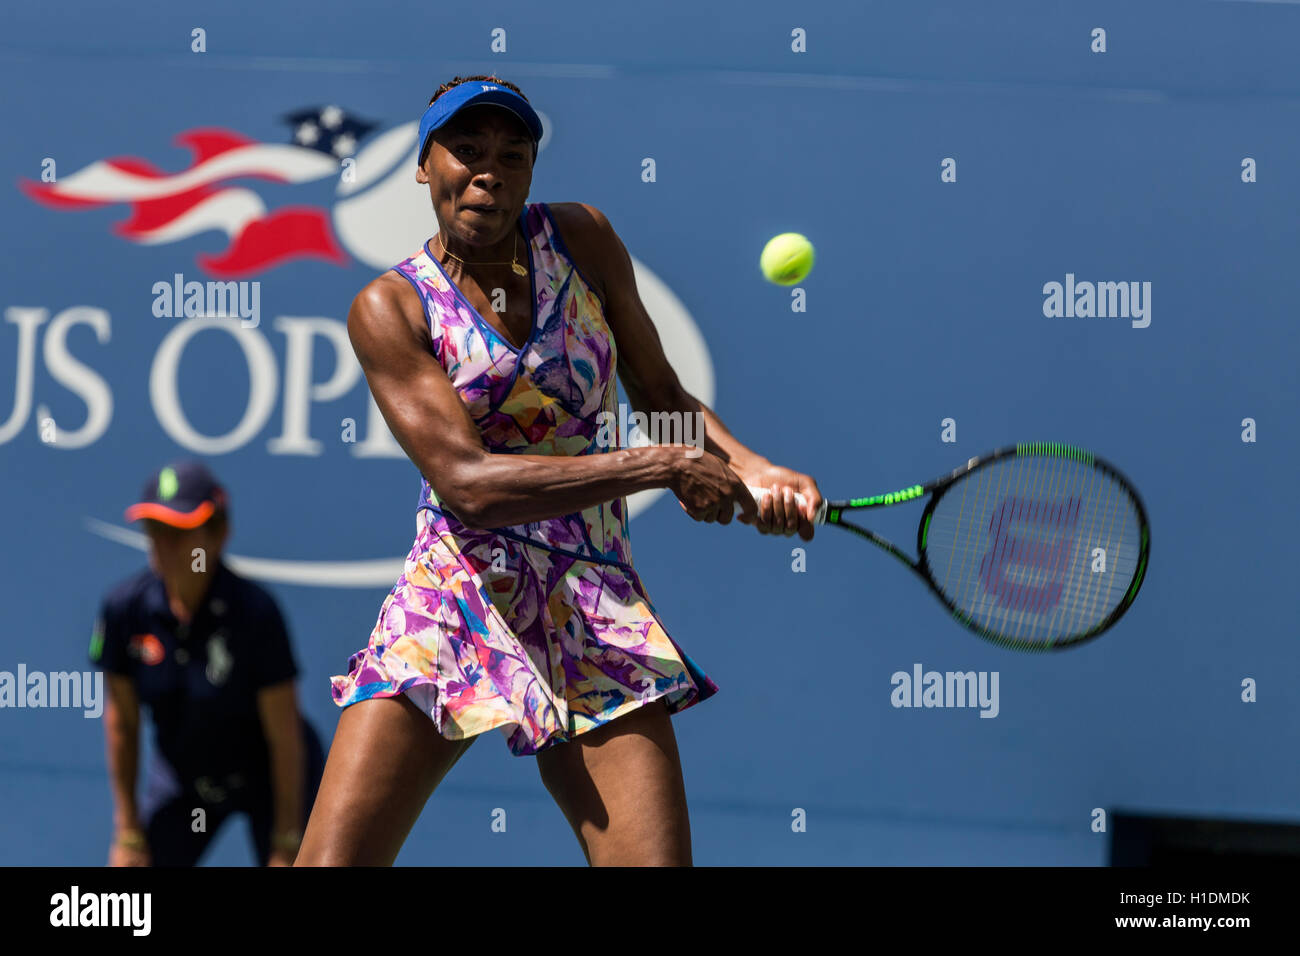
<point>543,630</point>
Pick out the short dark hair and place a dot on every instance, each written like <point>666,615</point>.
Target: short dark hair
<point>456,81</point>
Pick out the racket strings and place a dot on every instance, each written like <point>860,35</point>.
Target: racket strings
<point>1014,546</point>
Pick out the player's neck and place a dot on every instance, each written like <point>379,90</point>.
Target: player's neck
<point>483,263</point>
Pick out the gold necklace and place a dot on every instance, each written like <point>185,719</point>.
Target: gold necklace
<point>518,269</point>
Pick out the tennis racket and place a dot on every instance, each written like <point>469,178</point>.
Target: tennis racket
<point>1036,547</point>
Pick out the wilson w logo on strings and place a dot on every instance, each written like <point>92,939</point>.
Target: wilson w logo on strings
<point>1042,560</point>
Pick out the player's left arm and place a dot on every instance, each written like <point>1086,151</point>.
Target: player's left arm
<point>652,385</point>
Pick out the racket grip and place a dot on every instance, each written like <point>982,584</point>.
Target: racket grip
<point>758,493</point>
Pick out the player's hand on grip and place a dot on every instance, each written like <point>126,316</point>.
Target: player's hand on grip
<point>778,512</point>
<point>709,490</point>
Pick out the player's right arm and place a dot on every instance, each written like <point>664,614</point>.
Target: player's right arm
<point>390,336</point>
<point>122,733</point>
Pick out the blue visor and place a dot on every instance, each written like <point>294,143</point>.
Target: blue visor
<point>469,94</point>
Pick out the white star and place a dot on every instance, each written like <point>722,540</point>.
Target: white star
<point>345,145</point>
<point>307,134</point>
<point>331,117</point>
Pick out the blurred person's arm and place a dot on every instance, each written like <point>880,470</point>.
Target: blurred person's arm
<point>122,739</point>
<point>282,727</point>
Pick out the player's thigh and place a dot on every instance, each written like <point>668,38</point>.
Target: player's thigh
<point>386,759</point>
<point>621,788</point>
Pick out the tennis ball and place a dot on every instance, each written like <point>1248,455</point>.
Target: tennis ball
<point>786,258</point>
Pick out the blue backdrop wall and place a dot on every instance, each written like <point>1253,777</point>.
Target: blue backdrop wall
<point>926,303</point>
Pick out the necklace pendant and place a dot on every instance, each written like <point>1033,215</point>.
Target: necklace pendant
<point>518,269</point>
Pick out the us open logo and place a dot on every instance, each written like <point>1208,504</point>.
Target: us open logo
<point>379,216</point>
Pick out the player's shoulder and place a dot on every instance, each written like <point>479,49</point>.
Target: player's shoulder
<point>386,299</point>
<point>580,217</point>
<point>386,290</point>
<point>587,236</point>
<point>126,597</point>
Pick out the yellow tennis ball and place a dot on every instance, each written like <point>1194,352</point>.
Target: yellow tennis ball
<point>787,258</point>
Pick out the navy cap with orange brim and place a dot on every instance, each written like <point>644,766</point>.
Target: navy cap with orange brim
<point>183,494</point>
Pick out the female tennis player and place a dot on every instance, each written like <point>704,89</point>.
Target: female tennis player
<point>491,353</point>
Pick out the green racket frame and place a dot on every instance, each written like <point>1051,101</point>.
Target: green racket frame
<point>832,512</point>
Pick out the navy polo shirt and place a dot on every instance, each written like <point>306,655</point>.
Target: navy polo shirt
<point>199,682</point>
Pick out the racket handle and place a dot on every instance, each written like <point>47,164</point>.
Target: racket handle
<point>758,493</point>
